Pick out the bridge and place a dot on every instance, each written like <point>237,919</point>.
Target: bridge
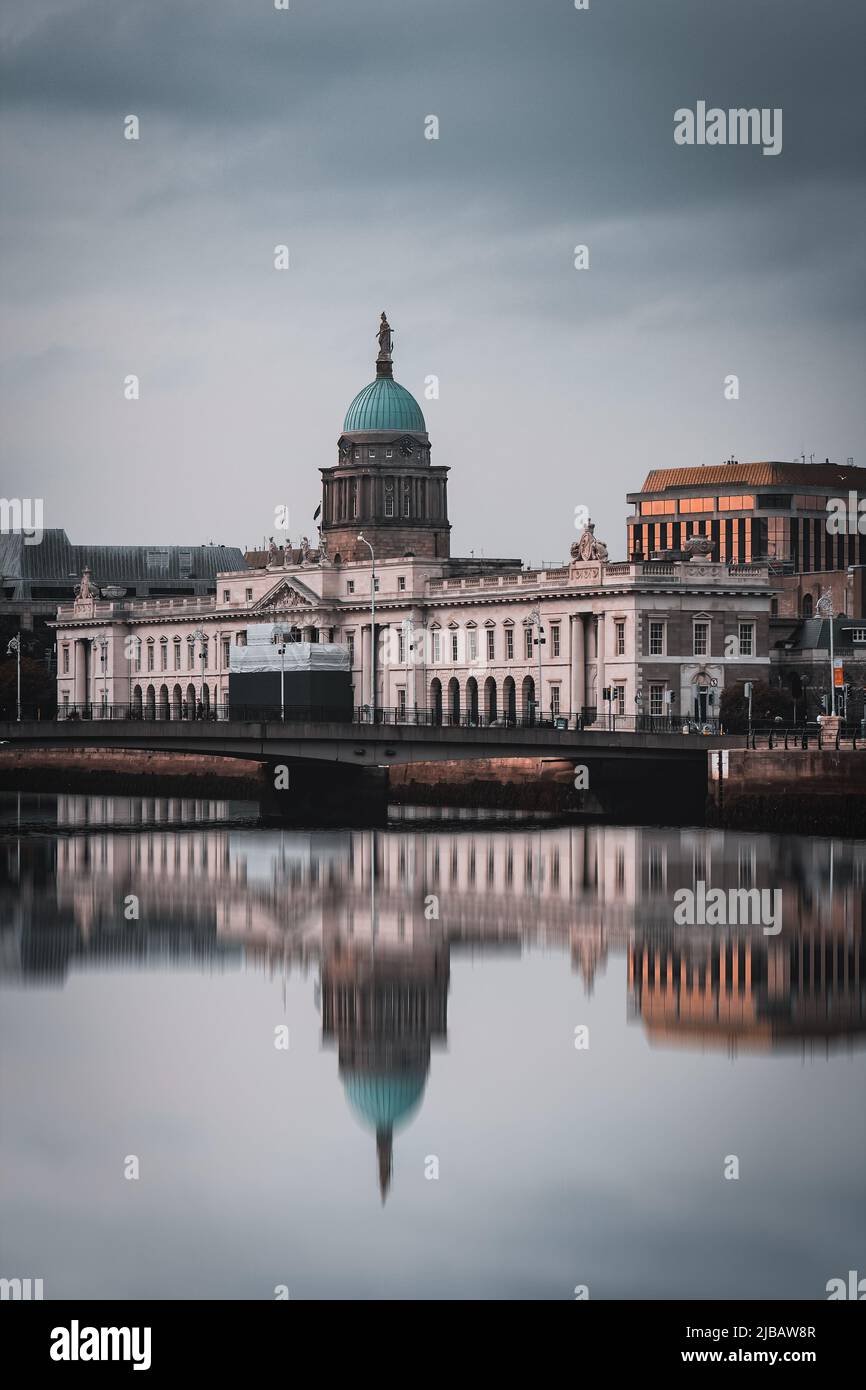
<point>363,744</point>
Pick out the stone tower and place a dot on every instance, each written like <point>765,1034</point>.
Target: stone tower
<point>383,483</point>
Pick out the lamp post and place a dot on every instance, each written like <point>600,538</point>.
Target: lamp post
<point>198,636</point>
<point>102,644</point>
<point>15,647</point>
<point>534,619</point>
<point>362,537</point>
<point>825,607</point>
<point>282,643</point>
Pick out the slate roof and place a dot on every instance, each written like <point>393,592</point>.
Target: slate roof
<point>55,560</point>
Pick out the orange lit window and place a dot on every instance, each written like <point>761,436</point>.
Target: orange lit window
<point>736,503</point>
<point>658,508</point>
<point>697,504</point>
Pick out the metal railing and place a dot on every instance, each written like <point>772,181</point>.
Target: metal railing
<point>589,720</point>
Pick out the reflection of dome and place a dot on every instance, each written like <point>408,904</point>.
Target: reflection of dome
<point>384,1102</point>
<point>383,406</point>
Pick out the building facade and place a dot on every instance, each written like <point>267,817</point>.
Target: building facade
<point>453,639</point>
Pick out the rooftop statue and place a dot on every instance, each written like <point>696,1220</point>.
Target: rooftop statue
<point>83,590</point>
<point>386,341</point>
<point>587,547</point>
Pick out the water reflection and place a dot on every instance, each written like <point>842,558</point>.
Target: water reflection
<point>379,916</point>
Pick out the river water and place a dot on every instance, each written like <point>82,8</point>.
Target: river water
<point>441,1060</point>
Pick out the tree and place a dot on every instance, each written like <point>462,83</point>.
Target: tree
<point>38,690</point>
<point>768,703</point>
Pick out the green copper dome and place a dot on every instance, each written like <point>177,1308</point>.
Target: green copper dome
<point>384,406</point>
<point>384,1102</point>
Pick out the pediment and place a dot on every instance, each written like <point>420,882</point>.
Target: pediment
<point>286,596</point>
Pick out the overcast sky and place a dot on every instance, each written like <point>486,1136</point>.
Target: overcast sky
<point>558,387</point>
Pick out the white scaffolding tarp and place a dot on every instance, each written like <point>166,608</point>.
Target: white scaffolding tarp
<point>262,652</point>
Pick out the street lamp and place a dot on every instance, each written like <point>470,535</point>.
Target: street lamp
<point>362,537</point>
<point>102,644</point>
<point>282,649</point>
<point>824,606</point>
<point>198,636</point>
<point>14,647</point>
<point>534,619</point>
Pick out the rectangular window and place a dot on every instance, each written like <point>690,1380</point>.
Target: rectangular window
<point>702,639</point>
<point>527,643</point>
<point>405,504</point>
<point>138,654</point>
<point>376,585</point>
<point>389,504</point>
<point>389,453</point>
<point>249,595</point>
<point>350,586</point>
<point>491,644</point>
<point>371,453</point>
<point>747,639</point>
<point>163,656</point>
<point>401,647</point>
<point>350,643</point>
<point>150,656</point>
<point>227,594</point>
<point>454,646</point>
<point>401,583</point>
<point>554,639</point>
<point>554,699</point>
<point>697,504</point>
<point>227,650</point>
<point>509,644</point>
<point>437,648</point>
<point>619,630</point>
<point>190,656</point>
<point>473,645</point>
<point>657,699</point>
<point>66,661</point>
<point>177,654</point>
<point>242,639</point>
<point>656,639</point>
<point>401,702</point>
<point>354,503</point>
<point>619,699</point>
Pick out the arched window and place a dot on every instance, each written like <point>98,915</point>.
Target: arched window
<point>807,605</point>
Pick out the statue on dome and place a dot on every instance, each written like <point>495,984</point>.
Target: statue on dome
<point>586,547</point>
<point>386,341</point>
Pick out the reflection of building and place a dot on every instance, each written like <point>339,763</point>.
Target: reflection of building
<point>742,992</point>
<point>383,1009</point>
<point>357,906</point>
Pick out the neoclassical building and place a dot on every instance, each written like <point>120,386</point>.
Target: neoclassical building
<point>451,638</point>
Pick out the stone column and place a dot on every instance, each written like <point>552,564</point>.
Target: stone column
<point>79,662</point>
<point>591,654</point>
<point>577,652</point>
<point>600,664</point>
